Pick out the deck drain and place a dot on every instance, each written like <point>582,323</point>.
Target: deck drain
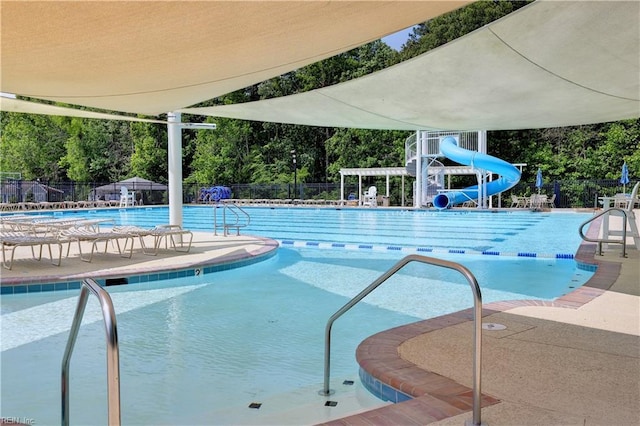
<point>493,326</point>
<point>255,405</point>
<point>331,403</point>
<point>348,382</point>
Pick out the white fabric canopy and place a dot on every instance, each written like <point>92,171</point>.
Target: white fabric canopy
<point>151,57</point>
<point>550,64</point>
<point>19,105</point>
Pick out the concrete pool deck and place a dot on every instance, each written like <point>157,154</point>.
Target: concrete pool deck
<point>572,361</point>
<point>206,250</point>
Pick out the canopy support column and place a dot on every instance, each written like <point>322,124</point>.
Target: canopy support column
<point>417,196</point>
<point>174,132</point>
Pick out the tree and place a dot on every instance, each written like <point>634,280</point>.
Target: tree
<point>219,156</point>
<point>349,148</point>
<point>97,150</point>
<point>450,26</point>
<point>32,144</point>
<point>149,158</point>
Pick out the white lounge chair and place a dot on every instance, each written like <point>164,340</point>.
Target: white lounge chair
<point>14,240</point>
<point>81,235</point>
<point>177,235</point>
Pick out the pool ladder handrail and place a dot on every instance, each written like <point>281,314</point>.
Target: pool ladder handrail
<point>113,354</point>
<point>236,211</point>
<point>477,319</point>
<point>623,241</point>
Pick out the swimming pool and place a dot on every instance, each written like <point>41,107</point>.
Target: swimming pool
<point>506,232</point>
<point>200,351</point>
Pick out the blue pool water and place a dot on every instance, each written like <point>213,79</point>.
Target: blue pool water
<point>191,349</point>
<point>474,231</point>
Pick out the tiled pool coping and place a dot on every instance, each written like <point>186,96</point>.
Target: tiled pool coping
<point>32,284</point>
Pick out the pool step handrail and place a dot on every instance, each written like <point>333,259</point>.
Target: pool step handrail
<point>600,241</point>
<point>90,286</point>
<point>477,320</point>
<point>240,218</point>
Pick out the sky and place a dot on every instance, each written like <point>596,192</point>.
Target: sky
<point>396,40</point>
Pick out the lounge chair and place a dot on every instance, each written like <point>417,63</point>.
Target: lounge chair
<point>14,240</point>
<point>81,234</point>
<point>54,226</point>
<point>370,197</point>
<point>175,233</point>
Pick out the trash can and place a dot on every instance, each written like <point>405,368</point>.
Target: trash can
<point>385,201</point>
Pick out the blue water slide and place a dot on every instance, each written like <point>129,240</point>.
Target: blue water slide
<point>509,174</point>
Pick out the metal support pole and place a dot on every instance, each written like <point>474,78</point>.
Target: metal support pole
<point>174,132</point>
<point>417,197</point>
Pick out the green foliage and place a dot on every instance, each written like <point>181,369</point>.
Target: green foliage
<point>149,157</point>
<point>445,28</point>
<point>352,148</point>
<point>32,144</point>
<point>97,150</point>
<point>219,155</point>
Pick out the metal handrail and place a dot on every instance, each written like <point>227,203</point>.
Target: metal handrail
<point>233,208</point>
<point>600,241</point>
<point>477,319</point>
<point>113,353</point>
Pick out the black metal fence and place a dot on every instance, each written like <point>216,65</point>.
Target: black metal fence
<point>569,193</point>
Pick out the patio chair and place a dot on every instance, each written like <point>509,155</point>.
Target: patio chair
<point>518,202</point>
<point>175,233</point>
<point>550,202</point>
<point>14,240</point>
<point>84,235</point>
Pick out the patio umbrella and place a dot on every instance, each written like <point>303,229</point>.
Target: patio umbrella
<point>624,179</point>
<point>539,180</point>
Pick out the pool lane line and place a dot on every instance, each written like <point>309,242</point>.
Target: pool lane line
<point>403,249</point>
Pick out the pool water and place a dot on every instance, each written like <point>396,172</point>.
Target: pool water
<point>511,232</point>
<point>193,349</point>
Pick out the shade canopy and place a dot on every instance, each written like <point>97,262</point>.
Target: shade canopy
<point>151,57</point>
<point>549,64</point>
<point>19,105</point>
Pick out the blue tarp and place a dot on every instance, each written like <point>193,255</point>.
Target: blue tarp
<point>215,194</point>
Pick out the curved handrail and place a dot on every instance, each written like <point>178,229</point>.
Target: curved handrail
<point>600,241</point>
<point>477,319</point>
<point>234,209</point>
<point>113,354</point>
